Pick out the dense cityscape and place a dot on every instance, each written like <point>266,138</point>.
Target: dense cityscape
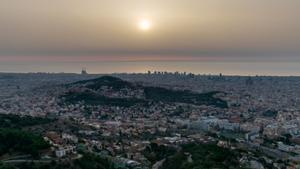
<point>149,84</point>
<point>153,120</point>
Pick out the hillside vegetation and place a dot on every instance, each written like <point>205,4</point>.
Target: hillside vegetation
<point>15,121</point>
<point>91,92</point>
<point>203,157</point>
<point>15,140</point>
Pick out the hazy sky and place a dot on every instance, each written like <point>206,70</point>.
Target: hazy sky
<point>87,30</point>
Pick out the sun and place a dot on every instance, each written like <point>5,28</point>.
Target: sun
<point>144,24</point>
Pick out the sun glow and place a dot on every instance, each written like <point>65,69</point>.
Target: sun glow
<point>144,24</point>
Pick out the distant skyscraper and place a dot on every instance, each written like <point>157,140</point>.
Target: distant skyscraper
<point>84,72</point>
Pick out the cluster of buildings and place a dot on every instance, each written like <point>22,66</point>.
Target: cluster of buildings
<point>263,114</point>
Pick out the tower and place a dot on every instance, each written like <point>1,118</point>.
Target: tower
<point>84,72</point>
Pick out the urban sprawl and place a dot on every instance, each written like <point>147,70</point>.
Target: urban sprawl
<point>121,117</point>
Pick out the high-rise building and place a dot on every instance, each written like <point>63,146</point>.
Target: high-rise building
<point>84,72</point>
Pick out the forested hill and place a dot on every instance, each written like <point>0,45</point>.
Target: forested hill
<point>108,90</point>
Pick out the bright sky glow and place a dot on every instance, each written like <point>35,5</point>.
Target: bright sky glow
<point>215,30</point>
<point>145,25</point>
